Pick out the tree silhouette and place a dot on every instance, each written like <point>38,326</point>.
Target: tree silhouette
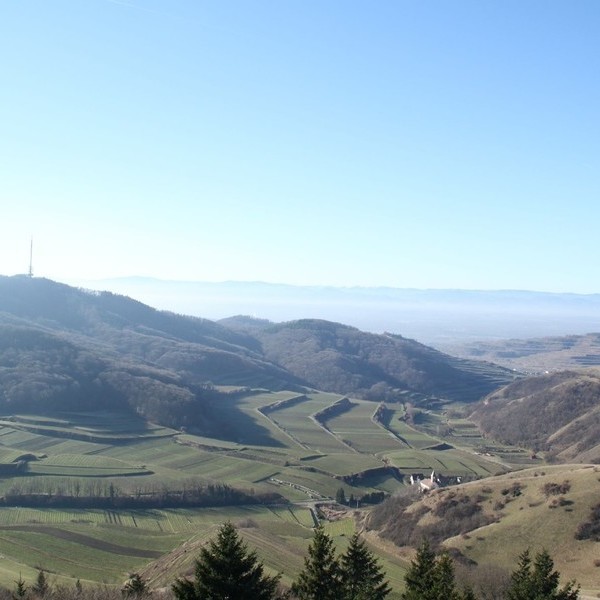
<point>537,580</point>
<point>41,587</point>
<point>20,589</point>
<point>226,570</point>
<point>135,587</point>
<point>432,578</point>
<point>320,577</point>
<point>420,577</point>
<point>362,577</point>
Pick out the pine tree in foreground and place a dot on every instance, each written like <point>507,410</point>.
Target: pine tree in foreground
<point>226,570</point>
<point>432,578</point>
<point>41,587</point>
<point>538,580</point>
<point>135,587</point>
<point>320,579</point>
<point>362,577</point>
<point>20,588</point>
<point>420,577</point>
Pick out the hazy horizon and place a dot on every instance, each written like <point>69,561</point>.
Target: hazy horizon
<point>412,145</point>
<point>437,317</point>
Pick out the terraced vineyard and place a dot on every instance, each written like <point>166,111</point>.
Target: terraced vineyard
<point>301,447</point>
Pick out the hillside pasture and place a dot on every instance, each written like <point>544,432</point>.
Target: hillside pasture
<point>452,463</point>
<point>106,427</point>
<point>99,545</point>
<point>522,514</point>
<point>394,421</point>
<point>11,455</point>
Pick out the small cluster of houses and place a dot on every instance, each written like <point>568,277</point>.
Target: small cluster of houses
<point>434,481</point>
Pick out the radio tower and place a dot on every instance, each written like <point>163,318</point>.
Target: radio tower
<point>30,259</point>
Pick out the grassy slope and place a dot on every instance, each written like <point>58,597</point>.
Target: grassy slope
<point>528,520</point>
<point>281,542</point>
<point>299,450</point>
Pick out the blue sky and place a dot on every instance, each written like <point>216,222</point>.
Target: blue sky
<point>426,144</point>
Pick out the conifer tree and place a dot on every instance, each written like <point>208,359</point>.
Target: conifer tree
<point>320,577</point>
<point>521,585</point>
<point>432,578</point>
<point>444,585</point>
<point>226,570</point>
<point>538,580</point>
<point>20,589</point>
<point>135,587</point>
<point>420,577</point>
<point>41,586</point>
<point>362,577</point>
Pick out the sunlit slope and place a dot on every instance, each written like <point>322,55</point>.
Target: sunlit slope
<point>492,521</point>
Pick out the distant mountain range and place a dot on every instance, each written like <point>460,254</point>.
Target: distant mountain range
<point>62,347</point>
<point>439,318</point>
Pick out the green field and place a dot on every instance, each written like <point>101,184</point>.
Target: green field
<point>357,429</point>
<point>281,442</point>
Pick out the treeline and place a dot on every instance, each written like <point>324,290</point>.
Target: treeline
<point>106,495</point>
<point>45,372</point>
<point>352,500</point>
<point>357,575</point>
<point>226,569</point>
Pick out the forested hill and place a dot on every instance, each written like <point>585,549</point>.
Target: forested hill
<point>343,359</point>
<point>558,413</point>
<point>63,347</point>
<point>98,314</point>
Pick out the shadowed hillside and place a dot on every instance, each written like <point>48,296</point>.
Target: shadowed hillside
<point>343,359</point>
<point>62,347</point>
<point>557,413</point>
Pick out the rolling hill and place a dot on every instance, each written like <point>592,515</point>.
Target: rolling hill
<point>487,524</point>
<point>343,359</point>
<point>62,347</point>
<point>558,413</point>
<point>67,349</point>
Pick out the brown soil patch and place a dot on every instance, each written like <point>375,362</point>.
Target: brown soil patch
<point>86,540</point>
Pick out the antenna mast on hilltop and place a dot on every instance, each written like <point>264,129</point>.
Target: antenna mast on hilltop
<point>31,259</point>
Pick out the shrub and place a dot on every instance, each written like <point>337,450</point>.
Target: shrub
<point>590,529</point>
<point>555,489</point>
